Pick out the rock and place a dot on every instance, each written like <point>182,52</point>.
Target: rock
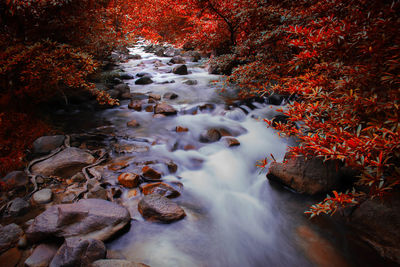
<point>10,258</point>
<point>135,104</point>
<point>149,108</point>
<point>158,208</point>
<point>130,148</point>
<point>9,236</point>
<point>159,52</point>
<point>170,95</point>
<point>160,188</point>
<point>116,255</point>
<point>78,178</point>
<point>156,97</point>
<point>18,207</point>
<point>144,80</point>
<point>132,123</point>
<point>117,263</point>
<point>122,88</point>
<point>16,179</point>
<point>97,192</point>
<point>43,196</point>
<point>149,172</point>
<point>172,167</point>
<point>193,56</point>
<point>46,144</point>
<point>163,108</point>
<point>42,255</point>
<point>180,70</point>
<point>88,218</point>
<point>311,177</point>
<point>159,116</point>
<point>126,76</point>
<point>144,74</point>
<point>230,141</point>
<point>190,82</point>
<point>22,242</point>
<point>134,56</point>
<point>170,51</point>
<point>114,93</point>
<point>279,119</point>
<point>275,99</point>
<point>177,60</point>
<point>126,96</point>
<point>79,252</point>
<point>129,180</point>
<point>210,136</point>
<point>180,129</point>
<point>66,163</point>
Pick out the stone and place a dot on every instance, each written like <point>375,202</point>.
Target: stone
<point>126,76</point>
<point>134,56</point>
<point>164,109</point>
<point>158,208</point>
<point>180,70</point>
<point>160,188</point>
<point>79,252</point>
<point>172,167</point>
<point>18,207</point>
<point>97,192</point>
<point>170,96</point>
<point>66,163</point>
<point>9,236</point>
<point>230,141</point>
<point>87,218</point>
<point>275,99</point>
<point>177,60</point>
<point>159,116</point>
<point>130,148</point>
<point>190,82</point>
<point>156,97</point>
<point>10,258</point>
<point>193,56</point>
<point>122,88</point>
<point>46,144</point>
<point>132,123</point>
<point>144,80</point>
<point>149,108</point>
<point>210,136</point>
<point>129,180</point>
<point>117,263</point>
<point>43,196</point>
<point>151,173</point>
<point>42,255</point>
<point>16,179</point>
<point>114,254</point>
<point>114,93</point>
<point>135,104</point>
<point>171,51</point>
<point>159,52</point>
<point>310,176</point>
<point>144,74</point>
<point>78,178</point>
<point>180,129</point>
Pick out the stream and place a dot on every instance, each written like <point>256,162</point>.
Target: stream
<point>234,215</point>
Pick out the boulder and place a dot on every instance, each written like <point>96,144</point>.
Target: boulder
<point>160,188</point>
<point>97,192</point>
<point>275,99</point>
<point>65,163</point>
<point>156,97</point>
<point>190,82</point>
<point>117,263</point>
<point>171,51</point>
<point>151,173</point>
<point>158,208</point>
<point>170,95</point>
<point>129,180</point>
<point>310,176</point>
<point>177,60</point>
<point>79,252</point>
<point>144,74</point>
<point>9,236</point>
<point>210,136</point>
<point>144,80</point>
<point>193,56</point>
<point>42,255</point>
<point>149,108</point>
<point>16,180</point>
<point>46,144</point>
<point>132,123</point>
<point>230,141</point>
<point>114,93</point>
<point>18,207</point>
<point>130,148</point>
<point>159,51</point>
<point>43,196</point>
<point>126,76</point>
<point>172,167</point>
<point>88,218</point>
<point>165,109</point>
<point>180,70</point>
<point>135,104</point>
<point>122,88</point>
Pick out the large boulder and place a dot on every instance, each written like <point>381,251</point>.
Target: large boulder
<point>45,144</point>
<point>9,236</point>
<point>65,163</point>
<point>144,80</point>
<point>79,252</point>
<point>164,108</point>
<point>88,218</point>
<point>117,263</point>
<point>122,88</point>
<point>158,208</point>
<point>180,70</point>
<point>311,176</point>
<point>42,255</point>
<point>43,196</point>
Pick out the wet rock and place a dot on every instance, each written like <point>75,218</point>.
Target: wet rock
<point>134,56</point>
<point>311,176</point>
<point>43,196</point>
<point>180,70</point>
<point>79,252</point>
<point>126,76</point>
<point>126,96</point>
<point>151,173</point>
<point>193,56</point>
<point>158,208</point>
<point>122,88</point>
<point>10,258</point>
<point>116,255</point>
<point>117,263</point>
<point>135,104</point>
<point>275,99</point>
<point>236,114</point>
<point>130,148</point>
<point>171,51</point>
<point>18,207</point>
<point>189,147</point>
<point>69,197</point>
<point>159,116</point>
<point>190,82</point>
<point>16,179</point>
<point>156,97</point>
<point>279,119</point>
<point>132,123</point>
<point>159,52</point>
<point>114,93</point>
<point>129,180</point>
<point>42,255</point>
<point>88,218</point>
<point>170,95</point>
<point>177,60</point>
<point>172,167</point>
<point>144,80</point>
<point>97,192</point>
<point>149,108</point>
<point>64,164</point>
<point>160,188</point>
<point>138,96</point>
<point>180,129</point>
<point>9,236</point>
<point>46,144</point>
<point>210,136</point>
<point>144,74</point>
<point>165,109</point>
<point>230,141</point>
<point>78,178</point>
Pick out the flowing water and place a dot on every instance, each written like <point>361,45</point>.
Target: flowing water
<point>235,217</point>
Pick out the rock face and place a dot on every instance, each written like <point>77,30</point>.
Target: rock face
<point>129,180</point>
<point>66,163</point>
<point>43,196</point>
<point>42,255</point>
<point>45,144</point>
<point>117,263</point>
<point>158,208</point>
<point>9,236</point>
<point>180,70</point>
<point>144,80</point>
<point>306,176</point>
<point>79,252</point>
<point>88,218</point>
<point>162,189</point>
<point>165,109</point>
